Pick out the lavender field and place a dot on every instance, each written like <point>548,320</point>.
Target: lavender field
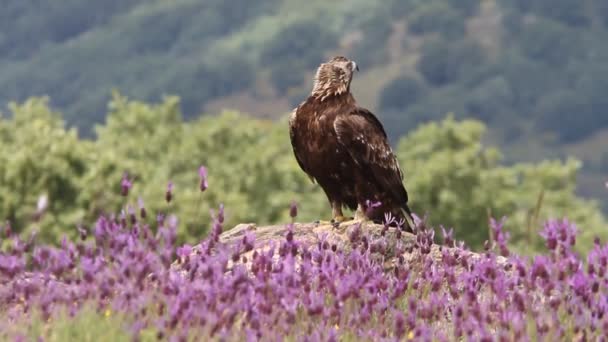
<point>126,278</point>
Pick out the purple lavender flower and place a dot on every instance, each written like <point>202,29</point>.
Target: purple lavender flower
<point>7,229</point>
<point>448,236</point>
<point>202,173</point>
<point>308,291</point>
<point>293,210</point>
<point>142,208</point>
<point>125,184</point>
<point>169,192</point>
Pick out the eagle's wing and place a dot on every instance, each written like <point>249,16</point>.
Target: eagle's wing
<point>295,144</point>
<point>363,136</point>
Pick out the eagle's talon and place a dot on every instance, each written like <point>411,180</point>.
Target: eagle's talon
<point>324,222</point>
<point>339,219</point>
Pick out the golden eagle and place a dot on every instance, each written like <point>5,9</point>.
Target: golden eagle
<point>344,148</point>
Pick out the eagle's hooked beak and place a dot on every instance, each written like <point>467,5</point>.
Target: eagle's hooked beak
<point>355,66</point>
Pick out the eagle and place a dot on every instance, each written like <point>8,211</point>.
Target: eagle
<point>344,149</point>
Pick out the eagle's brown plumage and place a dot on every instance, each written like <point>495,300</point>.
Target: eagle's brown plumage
<point>345,148</point>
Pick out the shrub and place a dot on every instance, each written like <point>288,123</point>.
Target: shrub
<point>401,93</point>
<point>550,42</point>
<point>437,17</point>
<point>443,62</point>
<point>296,48</point>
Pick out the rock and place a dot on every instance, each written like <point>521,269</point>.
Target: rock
<point>387,245</point>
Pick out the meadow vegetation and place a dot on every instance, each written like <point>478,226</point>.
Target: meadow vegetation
<point>101,184</point>
<point>54,181</point>
<point>117,281</point>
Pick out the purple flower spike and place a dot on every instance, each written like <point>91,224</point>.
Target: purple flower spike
<point>82,232</point>
<point>184,251</point>
<point>243,289</point>
<point>160,219</point>
<point>142,208</point>
<point>448,236</point>
<point>202,173</point>
<point>125,184</point>
<point>293,210</point>
<point>7,230</point>
<point>169,192</point>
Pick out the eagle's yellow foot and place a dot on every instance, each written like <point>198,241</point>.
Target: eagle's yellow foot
<point>359,218</point>
<point>324,222</point>
<point>336,221</point>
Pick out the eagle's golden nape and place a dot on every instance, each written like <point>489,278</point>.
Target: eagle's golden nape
<point>343,147</point>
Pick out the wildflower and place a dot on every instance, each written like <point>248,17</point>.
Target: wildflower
<point>448,236</point>
<point>125,184</point>
<point>82,232</point>
<point>202,173</point>
<point>169,192</point>
<point>160,219</point>
<point>389,219</point>
<point>399,324</point>
<point>142,209</point>
<point>293,210</point>
<point>184,251</point>
<point>7,229</point>
<point>41,205</point>
<point>131,213</point>
<point>370,206</point>
<point>319,288</point>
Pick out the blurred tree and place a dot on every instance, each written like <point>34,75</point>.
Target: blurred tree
<point>434,63</point>
<point>456,181</point>
<point>565,113</point>
<point>580,110</point>
<point>443,62</point>
<point>401,8</point>
<point>39,160</point>
<point>566,11</point>
<point>549,42</point>
<point>601,8</point>
<point>437,17</point>
<point>490,98</point>
<point>286,74</point>
<point>467,7</point>
<point>295,49</point>
<point>401,92</point>
<point>529,80</point>
<point>371,49</point>
<point>448,173</point>
<point>154,146</point>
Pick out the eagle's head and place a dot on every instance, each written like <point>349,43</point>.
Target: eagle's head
<point>333,77</point>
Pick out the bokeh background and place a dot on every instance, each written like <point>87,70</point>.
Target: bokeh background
<point>495,107</point>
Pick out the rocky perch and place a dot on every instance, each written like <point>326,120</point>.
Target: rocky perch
<point>386,245</point>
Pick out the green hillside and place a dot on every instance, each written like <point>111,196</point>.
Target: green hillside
<point>535,71</point>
